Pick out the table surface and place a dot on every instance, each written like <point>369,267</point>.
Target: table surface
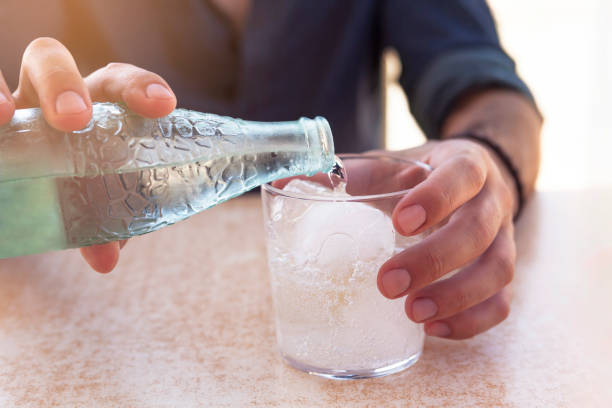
<point>186,320</point>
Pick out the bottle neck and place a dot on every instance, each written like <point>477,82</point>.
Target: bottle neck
<point>313,137</point>
<point>319,136</point>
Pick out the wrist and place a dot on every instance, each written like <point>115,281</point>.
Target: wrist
<point>509,121</point>
<point>517,202</point>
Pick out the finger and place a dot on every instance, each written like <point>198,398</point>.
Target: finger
<point>102,258</point>
<point>468,233</point>
<point>50,78</point>
<point>453,183</point>
<point>7,105</point>
<point>472,285</point>
<point>142,91</point>
<point>474,320</point>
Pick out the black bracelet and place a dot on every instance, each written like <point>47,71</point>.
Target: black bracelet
<point>505,159</point>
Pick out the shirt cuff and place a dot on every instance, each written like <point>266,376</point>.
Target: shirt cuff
<point>452,74</point>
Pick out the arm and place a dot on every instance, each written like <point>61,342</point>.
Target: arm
<point>459,80</point>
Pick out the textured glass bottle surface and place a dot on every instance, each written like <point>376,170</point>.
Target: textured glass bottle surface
<point>125,175</point>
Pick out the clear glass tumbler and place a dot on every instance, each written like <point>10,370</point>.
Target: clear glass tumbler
<point>324,252</point>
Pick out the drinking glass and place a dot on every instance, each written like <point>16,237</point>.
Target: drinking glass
<point>324,252</point>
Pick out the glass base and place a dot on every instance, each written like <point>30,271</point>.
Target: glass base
<point>353,374</point>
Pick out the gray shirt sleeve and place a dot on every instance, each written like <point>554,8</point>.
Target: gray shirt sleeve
<point>446,49</point>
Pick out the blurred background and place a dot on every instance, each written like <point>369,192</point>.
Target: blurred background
<point>563,50</point>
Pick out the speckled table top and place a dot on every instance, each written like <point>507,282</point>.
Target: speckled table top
<point>186,321</point>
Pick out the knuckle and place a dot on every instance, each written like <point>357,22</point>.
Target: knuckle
<point>117,70</point>
<point>131,74</point>
<point>461,301</point>
<point>47,61</point>
<point>125,70</point>
<point>117,66</point>
<point>478,148</point>
<point>120,77</point>
<point>471,171</point>
<point>43,43</point>
<point>481,231</point>
<point>475,149</point>
<point>445,199</point>
<point>435,264</point>
<point>56,73</point>
<point>504,268</point>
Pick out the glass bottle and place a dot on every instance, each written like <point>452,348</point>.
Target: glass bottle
<point>125,175</point>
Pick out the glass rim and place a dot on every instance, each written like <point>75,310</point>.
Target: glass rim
<point>370,197</point>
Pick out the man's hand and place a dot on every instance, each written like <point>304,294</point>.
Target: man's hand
<point>471,190</point>
<point>50,79</point>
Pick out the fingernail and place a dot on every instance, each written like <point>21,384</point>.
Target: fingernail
<point>439,329</point>
<point>69,102</point>
<point>395,282</point>
<point>3,99</point>
<point>423,309</point>
<point>411,218</point>
<point>157,91</point>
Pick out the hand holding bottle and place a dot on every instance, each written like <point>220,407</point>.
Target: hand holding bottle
<point>50,79</point>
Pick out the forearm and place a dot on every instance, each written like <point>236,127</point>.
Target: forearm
<point>509,120</point>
